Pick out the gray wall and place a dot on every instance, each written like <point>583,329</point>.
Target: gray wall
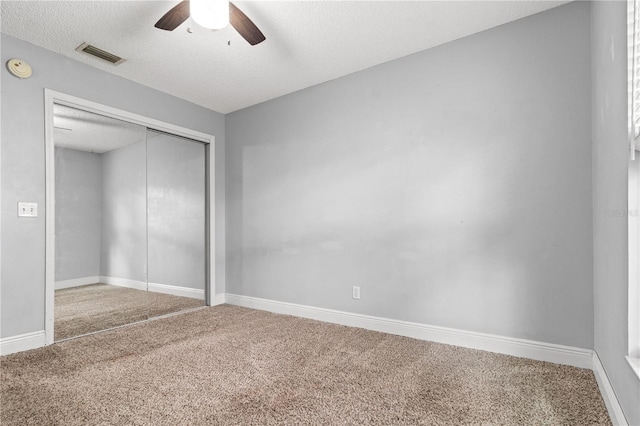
<point>610,180</point>
<point>453,186</point>
<point>23,240</point>
<point>176,194</point>
<point>78,213</point>
<point>124,215</point>
<point>104,225</point>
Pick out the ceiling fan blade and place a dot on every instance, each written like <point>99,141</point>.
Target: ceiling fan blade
<point>173,18</point>
<point>244,26</point>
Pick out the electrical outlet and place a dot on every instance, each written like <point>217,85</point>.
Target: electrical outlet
<point>356,292</point>
<point>27,209</point>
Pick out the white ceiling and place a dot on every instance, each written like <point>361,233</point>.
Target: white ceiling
<point>85,131</point>
<point>308,42</point>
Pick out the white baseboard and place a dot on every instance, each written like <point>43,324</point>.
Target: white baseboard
<point>22,342</point>
<point>76,282</point>
<point>609,396</point>
<point>549,352</point>
<point>124,282</point>
<point>176,291</point>
<point>154,287</point>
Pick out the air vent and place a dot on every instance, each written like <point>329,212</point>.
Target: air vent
<point>99,53</point>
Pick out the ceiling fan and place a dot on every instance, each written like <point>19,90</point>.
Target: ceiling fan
<point>213,15</point>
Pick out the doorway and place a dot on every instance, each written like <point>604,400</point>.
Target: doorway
<point>129,223</point>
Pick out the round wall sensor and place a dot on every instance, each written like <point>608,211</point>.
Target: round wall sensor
<point>19,68</point>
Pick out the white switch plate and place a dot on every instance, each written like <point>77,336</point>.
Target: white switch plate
<point>27,209</point>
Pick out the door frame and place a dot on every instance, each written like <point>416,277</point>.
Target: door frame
<point>52,97</point>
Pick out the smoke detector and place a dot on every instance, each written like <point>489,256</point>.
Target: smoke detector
<point>19,68</point>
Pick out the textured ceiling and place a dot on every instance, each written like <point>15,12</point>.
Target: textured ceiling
<point>308,42</point>
<point>85,131</point>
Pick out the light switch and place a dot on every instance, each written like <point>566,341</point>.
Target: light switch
<point>28,209</point>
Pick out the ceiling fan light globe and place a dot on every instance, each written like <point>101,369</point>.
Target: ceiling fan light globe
<point>211,14</point>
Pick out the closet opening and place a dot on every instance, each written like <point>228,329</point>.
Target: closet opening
<point>128,215</point>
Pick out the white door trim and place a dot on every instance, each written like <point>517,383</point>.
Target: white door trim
<point>51,97</point>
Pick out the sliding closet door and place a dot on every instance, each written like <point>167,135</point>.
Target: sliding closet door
<point>100,222</point>
<point>176,215</point>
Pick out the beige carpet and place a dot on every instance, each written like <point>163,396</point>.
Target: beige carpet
<point>233,366</point>
<point>95,307</point>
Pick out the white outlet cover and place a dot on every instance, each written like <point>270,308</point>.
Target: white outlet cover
<point>356,292</point>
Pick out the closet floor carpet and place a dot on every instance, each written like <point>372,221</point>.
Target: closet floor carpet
<point>95,307</point>
<point>228,365</point>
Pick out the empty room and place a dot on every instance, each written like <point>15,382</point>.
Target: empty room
<point>320,212</point>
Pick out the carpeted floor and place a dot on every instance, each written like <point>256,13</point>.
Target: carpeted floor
<point>95,307</point>
<point>233,366</point>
